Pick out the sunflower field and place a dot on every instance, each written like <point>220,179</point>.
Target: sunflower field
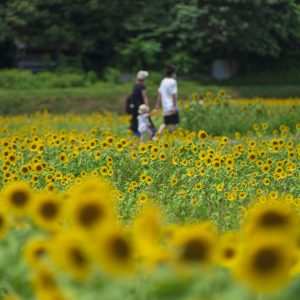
<point>208,212</point>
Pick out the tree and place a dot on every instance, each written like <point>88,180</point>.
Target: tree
<point>237,27</point>
<point>135,33</point>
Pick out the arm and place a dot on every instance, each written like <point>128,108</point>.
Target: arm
<point>158,101</point>
<point>145,97</point>
<point>174,97</point>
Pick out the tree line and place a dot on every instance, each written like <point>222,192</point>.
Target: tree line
<point>131,34</point>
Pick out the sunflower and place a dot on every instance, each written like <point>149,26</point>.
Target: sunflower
<point>143,177</point>
<point>265,168</point>
<point>190,172</point>
<point>144,161</point>
<point>133,155</point>
<point>153,156</point>
<point>231,196</point>
<point>114,251</point>
<point>44,284</point>
<point>104,145</point>
<point>173,181</point>
<point>198,186</point>
<point>202,135</point>
<point>149,180</point>
<point>91,211</point>
<point>252,157</point>
<point>242,195</point>
<point>271,216</point>
<point>162,156</point>
<point>35,251</point>
<point>104,170</point>
<point>194,244</point>
<point>265,263</point>
<point>147,232</point>
<point>220,187</point>
<point>24,169</point>
<point>228,249</point>
<point>46,211</point>
<point>142,198</point>
<point>17,197</point>
<point>147,226</point>
<point>72,254</point>
<point>194,202</point>
<point>63,157</point>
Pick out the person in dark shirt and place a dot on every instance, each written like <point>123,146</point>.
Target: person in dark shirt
<point>140,97</point>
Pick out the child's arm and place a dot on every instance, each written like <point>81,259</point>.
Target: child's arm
<point>158,99</point>
<point>153,112</point>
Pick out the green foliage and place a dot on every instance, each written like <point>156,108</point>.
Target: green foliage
<point>24,92</point>
<point>135,34</point>
<point>139,53</point>
<point>16,79</point>
<point>227,117</point>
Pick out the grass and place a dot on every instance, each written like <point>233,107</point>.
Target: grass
<point>103,96</point>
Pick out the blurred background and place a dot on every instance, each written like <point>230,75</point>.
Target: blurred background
<point>249,47</point>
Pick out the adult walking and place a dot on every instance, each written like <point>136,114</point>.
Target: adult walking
<point>167,96</point>
<point>140,97</point>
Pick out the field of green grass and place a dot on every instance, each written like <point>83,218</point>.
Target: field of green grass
<point>23,92</point>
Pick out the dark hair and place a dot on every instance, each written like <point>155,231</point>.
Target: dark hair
<point>170,70</point>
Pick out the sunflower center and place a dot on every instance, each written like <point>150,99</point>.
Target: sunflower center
<point>229,253</point>
<point>78,257</point>
<point>47,281</point>
<point>266,261</point>
<point>195,250</point>
<point>1,222</point>
<point>19,198</point>
<point>39,252</point>
<point>49,210</point>
<point>272,219</point>
<point>89,215</point>
<point>120,248</point>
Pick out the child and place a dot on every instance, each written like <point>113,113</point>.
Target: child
<point>144,122</point>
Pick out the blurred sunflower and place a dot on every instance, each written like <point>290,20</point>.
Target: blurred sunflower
<point>228,249</point>
<point>265,263</point>
<point>35,251</point>
<point>194,245</point>
<point>46,211</point>
<point>114,251</point>
<point>71,253</point>
<point>17,197</point>
<point>271,216</point>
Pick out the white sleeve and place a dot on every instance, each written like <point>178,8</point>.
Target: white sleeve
<point>173,87</point>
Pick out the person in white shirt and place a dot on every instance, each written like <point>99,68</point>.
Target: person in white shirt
<point>167,96</point>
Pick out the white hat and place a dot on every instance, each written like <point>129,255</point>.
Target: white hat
<point>142,75</point>
<point>143,109</point>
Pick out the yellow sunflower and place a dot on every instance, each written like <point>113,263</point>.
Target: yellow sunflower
<point>228,249</point>
<point>71,253</point>
<point>45,285</point>
<point>46,211</point>
<point>265,263</point>
<point>271,216</point>
<point>17,197</point>
<point>194,245</point>
<point>35,251</point>
<point>91,211</point>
